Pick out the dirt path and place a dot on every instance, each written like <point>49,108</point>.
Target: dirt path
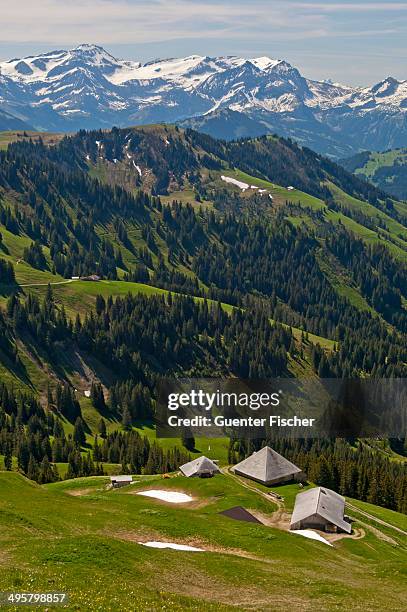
<point>251,487</point>
<point>80,492</point>
<point>65,282</point>
<point>280,518</point>
<point>376,519</point>
<point>379,534</point>
<point>357,534</point>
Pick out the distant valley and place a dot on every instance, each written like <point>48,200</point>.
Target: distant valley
<point>387,170</point>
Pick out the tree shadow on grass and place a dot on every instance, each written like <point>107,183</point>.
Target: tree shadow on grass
<point>4,249</point>
<point>16,369</point>
<point>7,290</point>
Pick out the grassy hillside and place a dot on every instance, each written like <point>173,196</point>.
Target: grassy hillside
<point>244,565</point>
<point>306,180</point>
<point>313,194</point>
<point>79,297</point>
<point>10,136</point>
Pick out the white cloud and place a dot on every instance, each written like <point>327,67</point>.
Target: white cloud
<point>121,21</point>
<point>345,7</point>
<point>310,34</point>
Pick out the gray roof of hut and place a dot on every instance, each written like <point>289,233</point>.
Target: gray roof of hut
<point>266,465</point>
<point>323,502</point>
<point>202,465</point>
<point>121,478</point>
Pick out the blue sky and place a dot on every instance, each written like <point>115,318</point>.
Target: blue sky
<point>358,42</point>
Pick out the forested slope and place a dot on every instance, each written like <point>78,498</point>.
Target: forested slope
<point>301,272</point>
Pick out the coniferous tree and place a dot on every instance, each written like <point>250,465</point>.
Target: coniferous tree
<point>102,428</point>
<point>8,459</point>
<point>126,418</point>
<point>79,436</point>
<point>32,470</point>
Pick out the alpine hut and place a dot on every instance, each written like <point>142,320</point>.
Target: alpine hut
<point>201,467</point>
<point>322,509</point>
<point>120,481</point>
<point>268,467</point>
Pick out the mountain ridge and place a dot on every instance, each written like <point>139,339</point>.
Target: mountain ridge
<point>87,87</point>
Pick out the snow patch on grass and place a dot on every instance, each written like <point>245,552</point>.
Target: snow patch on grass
<point>312,535</point>
<point>174,497</point>
<point>172,545</point>
<point>232,181</point>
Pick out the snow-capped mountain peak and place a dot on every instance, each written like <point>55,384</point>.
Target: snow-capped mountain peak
<point>264,63</point>
<point>40,67</point>
<point>88,87</point>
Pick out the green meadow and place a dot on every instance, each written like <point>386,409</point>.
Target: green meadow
<point>80,538</point>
